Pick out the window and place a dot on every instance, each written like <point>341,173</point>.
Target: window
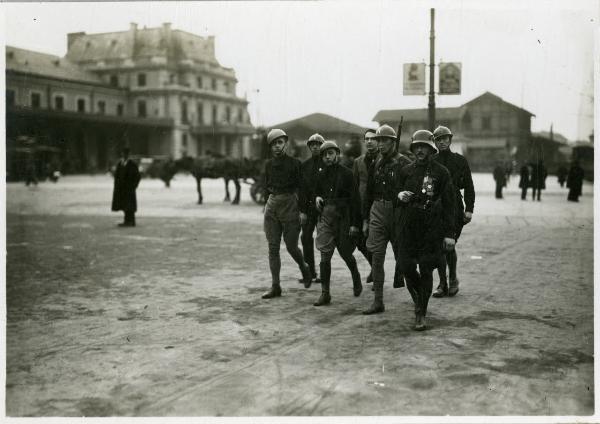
<point>200,111</point>
<point>80,105</point>
<point>214,114</point>
<point>59,103</point>
<point>141,107</point>
<point>467,120</point>
<point>10,97</point>
<point>184,112</point>
<point>241,115</point>
<point>228,114</point>
<point>486,123</point>
<point>114,80</point>
<point>36,100</point>
<point>184,140</point>
<point>199,82</point>
<point>172,79</point>
<point>120,109</point>
<point>214,84</point>
<point>101,107</point>
<point>141,80</point>
<point>226,86</point>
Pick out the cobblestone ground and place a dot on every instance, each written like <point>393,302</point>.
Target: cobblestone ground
<point>166,319</point>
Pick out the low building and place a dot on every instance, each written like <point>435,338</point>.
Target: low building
<point>486,129</point>
<point>344,133</point>
<point>157,90</point>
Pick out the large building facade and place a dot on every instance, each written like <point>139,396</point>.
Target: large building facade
<point>486,129</point>
<point>159,91</point>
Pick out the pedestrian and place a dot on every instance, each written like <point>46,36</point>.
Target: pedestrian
<point>525,179</point>
<point>379,209</point>
<point>282,211</point>
<point>575,181</point>
<point>127,178</point>
<point>538,180</point>
<point>310,170</point>
<point>360,169</point>
<point>462,179</point>
<point>500,179</point>
<point>425,222</point>
<point>30,167</point>
<point>562,174</point>
<point>338,202</point>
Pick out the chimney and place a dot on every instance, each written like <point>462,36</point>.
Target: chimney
<point>72,37</point>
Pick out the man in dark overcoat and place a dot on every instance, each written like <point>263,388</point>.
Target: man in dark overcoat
<point>127,178</point>
<point>575,181</point>
<point>360,169</point>
<point>338,203</point>
<point>460,172</point>
<point>500,179</point>
<point>310,170</point>
<point>425,222</point>
<point>525,180</point>
<point>538,180</point>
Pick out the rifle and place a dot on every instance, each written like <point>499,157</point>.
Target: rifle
<point>399,132</point>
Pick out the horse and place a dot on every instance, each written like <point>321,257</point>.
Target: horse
<point>230,169</point>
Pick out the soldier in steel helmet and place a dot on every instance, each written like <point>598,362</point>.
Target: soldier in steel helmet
<point>380,207</point>
<point>282,211</point>
<point>337,200</point>
<point>360,168</point>
<point>458,166</point>
<point>425,224</point>
<point>310,170</point>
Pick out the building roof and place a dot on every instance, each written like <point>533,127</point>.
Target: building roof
<point>555,136</point>
<point>137,43</point>
<point>488,95</point>
<point>393,115</point>
<point>441,114</point>
<point>321,122</point>
<point>47,65</point>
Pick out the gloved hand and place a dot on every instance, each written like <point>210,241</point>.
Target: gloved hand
<point>365,228</point>
<point>354,231</point>
<point>449,244</point>
<point>319,203</point>
<point>468,216</point>
<point>405,196</point>
<point>303,218</point>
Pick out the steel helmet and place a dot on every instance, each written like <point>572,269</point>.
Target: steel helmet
<point>423,137</point>
<point>385,131</point>
<point>274,134</point>
<point>441,131</point>
<point>329,144</point>
<point>315,138</point>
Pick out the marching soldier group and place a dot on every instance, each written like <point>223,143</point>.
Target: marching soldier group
<point>416,206</point>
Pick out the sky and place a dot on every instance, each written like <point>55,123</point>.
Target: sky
<point>345,58</point>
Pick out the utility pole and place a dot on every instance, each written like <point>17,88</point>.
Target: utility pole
<point>432,72</point>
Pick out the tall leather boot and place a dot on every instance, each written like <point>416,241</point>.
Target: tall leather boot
<point>377,307</point>
<point>356,284</point>
<point>453,289</point>
<point>325,298</point>
<point>442,289</point>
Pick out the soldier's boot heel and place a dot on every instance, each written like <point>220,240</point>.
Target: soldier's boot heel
<point>375,308</point>
<point>370,277</point>
<point>274,292</point>
<point>398,280</point>
<point>306,276</point>
<point>357,287</point>
<point>442,289</point>
<point>453,289</point>
<point>324,299</point>
<point>420,324</point>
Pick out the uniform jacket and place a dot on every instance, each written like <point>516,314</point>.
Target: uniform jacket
<point>309,170</point>
<point>127,178</point>
<point>500,175</point>
<point>437,197</point>
<point>283,175</point>
<point>336,186</point>
<point>383,180</point>
<point>360,169</point>
<point>538,176</point>
<point>459,169</point>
